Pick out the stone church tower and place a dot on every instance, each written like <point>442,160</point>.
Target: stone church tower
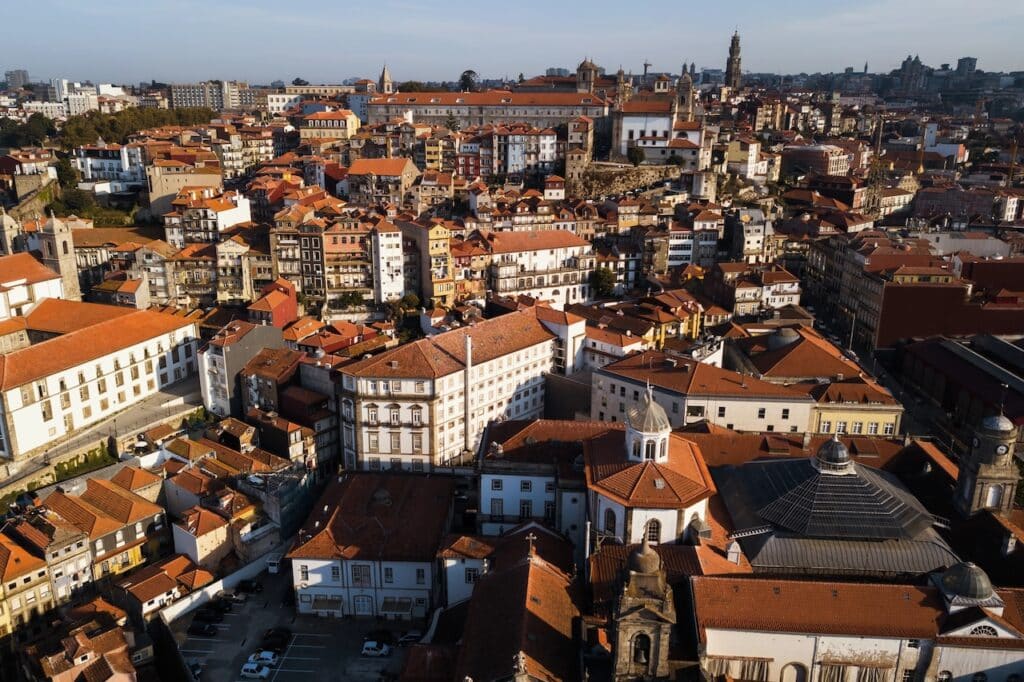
<point>586,76</point>
<point>385,85</point>
<point>732,67</point>
<point>59,255</point>
<point>10,231</point>
<point>988,475</point>
<point>644,616</point>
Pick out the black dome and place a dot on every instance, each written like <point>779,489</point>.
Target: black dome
<point>833,454</point>
<point>967,580</point>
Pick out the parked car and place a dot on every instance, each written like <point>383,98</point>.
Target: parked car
<point>249,586</point>
<point>255,671</point>
<point>409,638</point>
<point>200,629</point>
<point>207,615</point>
<point>234,597</point>
<point>382,636</point>
<point>276,640</point>
<point>218,604</point>
<point>264,657</point>
<point>372,648</point>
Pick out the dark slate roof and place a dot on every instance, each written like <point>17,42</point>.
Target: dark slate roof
<point>790,517</point>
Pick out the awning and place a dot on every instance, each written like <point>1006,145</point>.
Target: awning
<point>397,605</point>
<point>321,603</point>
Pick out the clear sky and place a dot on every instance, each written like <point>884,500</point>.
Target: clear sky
<point>126,41</point>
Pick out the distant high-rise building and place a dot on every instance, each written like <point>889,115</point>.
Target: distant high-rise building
<point>557,71</point>
<point>16,78</point>
<point>216,95</point>
<point>732,67</point>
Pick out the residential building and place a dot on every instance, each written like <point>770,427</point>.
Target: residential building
<point>65,547</point>
<point>121,164</point>
<point>25,282</point>
<point>222,360</point>
<point>428,260</point>
<point>368,549</point>
<point>124,529</point>
<point>691,391</point>
<point>551,265</point>
<point>27,593</point>
<point>215,94</point>
<point>165,178</point>
<point>147,590</point>
<point>423,404</point>
<point>203,215</point>
<point>335,125</point>
<point>379,182</point>
<point>203,536</point>
<point>265,375</point>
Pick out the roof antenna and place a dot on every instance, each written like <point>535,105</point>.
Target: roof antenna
<point>1002,397</point>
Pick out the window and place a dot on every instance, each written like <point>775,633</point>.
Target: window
<point>374,442</point>
<point>549,511</point>
<point>472,574</point>
<point>47,410</point>
<point>984,631</point>
<point>525,509</point>
<point>785,413</point>
<point>760,413</point>
<point>857,427</point>
<point>360,575</point>
<point>609,521</point>
<point>496,484</point>
<point>336,574</point>
<point>694,411</point>
<point>721,411</point>
<point>889,429</point>
<point>826,427</point>
<point>396,415</point>
<point>304,572</point>
<point>389,575</point>
<point>525,486</point>
<point>421,576</point>
<point>396,442</point>
<point>417,442</point>
<point>371,414</point>
<point>653,531</point>
<point>497,507</point>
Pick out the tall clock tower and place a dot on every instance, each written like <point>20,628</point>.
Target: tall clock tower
<point>988,475</point>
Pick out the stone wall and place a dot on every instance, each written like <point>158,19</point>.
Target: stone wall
<point>602,179</point>
<point>35,203</point>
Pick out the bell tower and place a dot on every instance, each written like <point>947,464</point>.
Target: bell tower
<point>647,430</point>
<point>643,619</point>
<point>988,476</point>
<point>58,249</point>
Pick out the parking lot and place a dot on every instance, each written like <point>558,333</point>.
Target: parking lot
<point>321,648</point>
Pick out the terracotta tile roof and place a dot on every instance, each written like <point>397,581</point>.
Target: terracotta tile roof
<point>810,355</point>
<point>679,482</point>
<point>393,517</point>
<point>16,560</point>
<point>533,240</point>
<point>385,167</point>
<point>81,514</point>
<point>689,377</point>
<point>275,364</point>
<point>609,562</point>
<point>198,521</point>
<point>133,478</point>
<point>444,353</point>
<point>466,546</point>
<point>23,268</point>
<point>861,390</point>
<point>539,607</point>
<point>858,609</point>
<point>120,504</point>
<point>77,347</point>
<point>490,98</point>
<point>648,105</point>
<point>59,316</point>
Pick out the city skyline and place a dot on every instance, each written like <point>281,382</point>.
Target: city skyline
<point>243,42</point>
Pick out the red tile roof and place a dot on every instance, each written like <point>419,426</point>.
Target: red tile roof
<point>23,268</point>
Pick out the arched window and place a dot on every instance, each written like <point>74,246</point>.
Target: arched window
<point>65,245</point>
<point>984,631</point>
<point>663,449</point>
<point>636,449</point>
<point>993,496</point>
<point>649,449</point>
<point>609,521</point>
<point>653,531</point>
<point>641,649</point>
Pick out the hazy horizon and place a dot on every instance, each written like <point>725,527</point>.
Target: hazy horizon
<point>260,41</point>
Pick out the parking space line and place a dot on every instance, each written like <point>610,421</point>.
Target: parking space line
<point>302,658</point>
<point>295,670</point>
<point>310,634</point>
<point>309,646</point>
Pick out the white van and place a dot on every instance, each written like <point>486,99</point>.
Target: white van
<point>274,563</point>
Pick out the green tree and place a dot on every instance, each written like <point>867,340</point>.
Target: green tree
<point>675,160</point>
<point>300,81</point>
<point>602,280</point>
<point>468,80</point>
<point>452,123</point>
<point>521,77</point>
<point>410,301</point>
<point>635,155</point>
<point>413,86</point>
<point>75,201</point>
<point>67,176</point>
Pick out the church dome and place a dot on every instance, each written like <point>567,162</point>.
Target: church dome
<point>997,422</point>
<point>967,580</point>
<point>644,559</point>
<point>833,455</point>
<point>649,416</point>
<point>782,338</point>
